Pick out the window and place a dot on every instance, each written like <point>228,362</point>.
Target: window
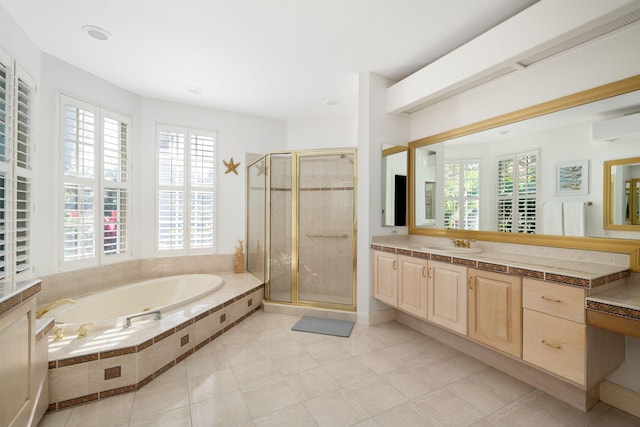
<point>17,106</point>
<point>96,191</point>
<point>186,190</point>
<point>517,192</point>
<point>462,195</point>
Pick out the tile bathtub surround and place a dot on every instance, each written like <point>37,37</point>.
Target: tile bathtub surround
<point>261,373</point>
<point>104,364</point>
<point>13,294</point>
<point>565,271</point>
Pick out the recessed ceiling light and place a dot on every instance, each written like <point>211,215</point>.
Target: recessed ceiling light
<point>194,90</point>
<point>96,32</point>
<point>330,102</point>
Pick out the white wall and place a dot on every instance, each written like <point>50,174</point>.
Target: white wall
<point>321,133</point>
<point>237,134</point>
<point>18,45</point>
<point>375,128</point>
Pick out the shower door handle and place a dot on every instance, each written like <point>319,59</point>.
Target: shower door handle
<point>342,236</point>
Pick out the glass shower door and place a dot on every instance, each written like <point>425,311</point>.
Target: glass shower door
<point>326,229</point>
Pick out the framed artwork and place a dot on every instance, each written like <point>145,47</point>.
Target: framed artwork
<point>572,177</point>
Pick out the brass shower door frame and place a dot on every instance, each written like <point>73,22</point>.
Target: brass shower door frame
<point>295,227</point>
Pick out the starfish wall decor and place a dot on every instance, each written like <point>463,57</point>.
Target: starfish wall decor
<point>231,166</point>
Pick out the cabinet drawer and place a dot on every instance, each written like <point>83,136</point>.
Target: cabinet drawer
<point>558,300</point>
<point>555,344</point>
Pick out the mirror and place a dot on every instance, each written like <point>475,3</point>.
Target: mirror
<point>622,194</point>
<point>426,188</point>
<point>531,152</point>
<point>394,186</point>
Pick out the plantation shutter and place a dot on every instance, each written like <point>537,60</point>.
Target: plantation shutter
<point>115,196</point>
<point>202,168</point>
<point>171,173</point>
<point>517,192</point>
<point>4,165</point>
<point>462,195</point>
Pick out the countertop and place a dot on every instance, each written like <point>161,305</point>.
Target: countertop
<point>14,293</point>
<point>570,271</point>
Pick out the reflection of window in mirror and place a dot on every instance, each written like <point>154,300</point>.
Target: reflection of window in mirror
<point>462,195</point>
<point>517,192</point>
<point>425,195</point>
<point>635,201</point>
<point>429,193</point>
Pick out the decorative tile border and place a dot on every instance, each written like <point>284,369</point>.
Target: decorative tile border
<point>602,307</point>
<point>11,303</point>
<point>115,372</point>
<point>501,268</point>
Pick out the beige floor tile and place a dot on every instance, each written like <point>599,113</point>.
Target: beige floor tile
<point>56,419</point>
<point>476,393</point>
<point>216,383</point>
<point>312,383</point>
<point>379,362</point>
<point>147,403</point>
<point>265,398</point>
<point>175,377</point>
<point>406,381</point>
<point>296,364</point>
<point>439,373</point>
<point>503,385</point>
<point>180,417</point>
<point>327,351</point>
<point>405,415</point>
<point>293,416</point>
<point>335,410</point>
<point>375,396</point>
<point>614,417</point>
<point>283,349</point>
<point>448,409</point>
<point>349,371</point>
<point>243,354</point>
<point>107,412</point>
<point>255,373</point>
<point>202,363</point>
<point>519,414</point>
<point>221,411</point>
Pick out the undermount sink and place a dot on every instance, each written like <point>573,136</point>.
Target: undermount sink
<point>452,249</point>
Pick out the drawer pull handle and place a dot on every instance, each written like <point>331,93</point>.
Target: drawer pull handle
<point>550,299</point>
<point>551,345</point>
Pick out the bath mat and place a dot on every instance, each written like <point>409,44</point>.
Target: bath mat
<point>317,325</point>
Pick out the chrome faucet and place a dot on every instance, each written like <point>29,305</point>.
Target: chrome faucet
<point>42,311</point>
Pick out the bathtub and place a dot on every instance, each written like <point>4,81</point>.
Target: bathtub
<point>112,307</point>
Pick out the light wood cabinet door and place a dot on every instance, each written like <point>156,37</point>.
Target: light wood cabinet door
<point>412,285</point>
<point>447,296</point>
<point>385,277</point>
<point>495,310</point>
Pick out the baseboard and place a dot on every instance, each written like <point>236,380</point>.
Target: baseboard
<point>377,317</point>
<point>620,397</point>
<point>294,310</point>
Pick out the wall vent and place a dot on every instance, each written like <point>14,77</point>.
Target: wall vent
<point>581,39</point>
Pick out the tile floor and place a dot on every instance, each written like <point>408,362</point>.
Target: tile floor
<point>263,374</point>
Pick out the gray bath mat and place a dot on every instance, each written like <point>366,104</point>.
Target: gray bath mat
<point>317,325</point>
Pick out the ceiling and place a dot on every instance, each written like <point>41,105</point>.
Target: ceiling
<point>284,59</point>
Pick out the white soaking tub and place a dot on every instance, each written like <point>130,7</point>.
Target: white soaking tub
<point>137,302</point>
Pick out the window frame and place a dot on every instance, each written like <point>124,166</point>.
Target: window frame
<point>187,188</point>
<point>98,182</point>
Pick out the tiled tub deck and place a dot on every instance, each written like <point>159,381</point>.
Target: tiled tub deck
<point>114,361</point>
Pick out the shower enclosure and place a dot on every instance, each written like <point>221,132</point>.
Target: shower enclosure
<point>301,227</point>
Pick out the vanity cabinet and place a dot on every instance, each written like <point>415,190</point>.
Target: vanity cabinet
<point>447,296</point>
<point>385,277</point>
<point>556,338</point>
<point>412,285</point>
<point>401,281</point>
<point>17,341</point>
<point>495,310</point>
